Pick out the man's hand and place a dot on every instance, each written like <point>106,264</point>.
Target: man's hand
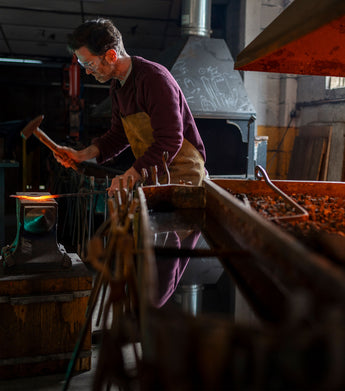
<point>115,183</point>
<point>68,157</point>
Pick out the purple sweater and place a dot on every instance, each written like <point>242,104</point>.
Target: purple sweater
<point>150,88</point>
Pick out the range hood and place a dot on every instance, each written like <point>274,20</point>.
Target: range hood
<point>204,67</point>
<point>307,38</point>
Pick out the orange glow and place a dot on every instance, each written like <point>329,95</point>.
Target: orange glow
<point>36,198</point>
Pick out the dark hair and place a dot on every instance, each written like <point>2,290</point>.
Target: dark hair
<point>98,35</point>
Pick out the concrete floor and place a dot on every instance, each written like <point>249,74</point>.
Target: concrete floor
<point>79,382</point>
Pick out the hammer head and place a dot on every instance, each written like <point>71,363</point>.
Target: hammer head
<point>31,127</point>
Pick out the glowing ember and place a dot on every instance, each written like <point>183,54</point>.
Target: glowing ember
<point>36,198</point>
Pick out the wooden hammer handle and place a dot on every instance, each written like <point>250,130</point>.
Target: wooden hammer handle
<point>47,141</point>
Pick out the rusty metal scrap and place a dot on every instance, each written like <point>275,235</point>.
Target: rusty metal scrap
<point>325,213</point>
<point>323,230</point>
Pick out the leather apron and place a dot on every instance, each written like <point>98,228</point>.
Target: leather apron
<point>188,164</point>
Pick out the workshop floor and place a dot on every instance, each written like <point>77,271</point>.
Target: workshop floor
<point>79,382</point>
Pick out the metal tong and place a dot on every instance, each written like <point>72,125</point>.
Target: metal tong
<point>303,214</point>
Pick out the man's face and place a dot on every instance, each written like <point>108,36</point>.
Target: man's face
<point>97,66</point>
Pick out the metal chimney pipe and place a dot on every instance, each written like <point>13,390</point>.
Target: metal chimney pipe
<point>196,17</point>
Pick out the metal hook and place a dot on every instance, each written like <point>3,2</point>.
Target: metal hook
<point>260,173</point>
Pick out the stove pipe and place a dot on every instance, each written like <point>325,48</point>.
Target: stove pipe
<point>196,17</point>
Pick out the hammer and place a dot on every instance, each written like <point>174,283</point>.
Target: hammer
<point>33,128</point>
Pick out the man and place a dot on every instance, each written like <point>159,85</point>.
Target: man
<point>149,112</point>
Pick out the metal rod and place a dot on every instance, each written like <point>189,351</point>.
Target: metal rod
<point>154,175</point>
<point>165,163</point>
<point>303,213</point>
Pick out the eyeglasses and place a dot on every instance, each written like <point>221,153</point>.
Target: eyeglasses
<point>90,66</point>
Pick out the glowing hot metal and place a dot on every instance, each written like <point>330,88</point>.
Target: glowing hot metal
<point>36,198</point>
<point>52,196</point>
